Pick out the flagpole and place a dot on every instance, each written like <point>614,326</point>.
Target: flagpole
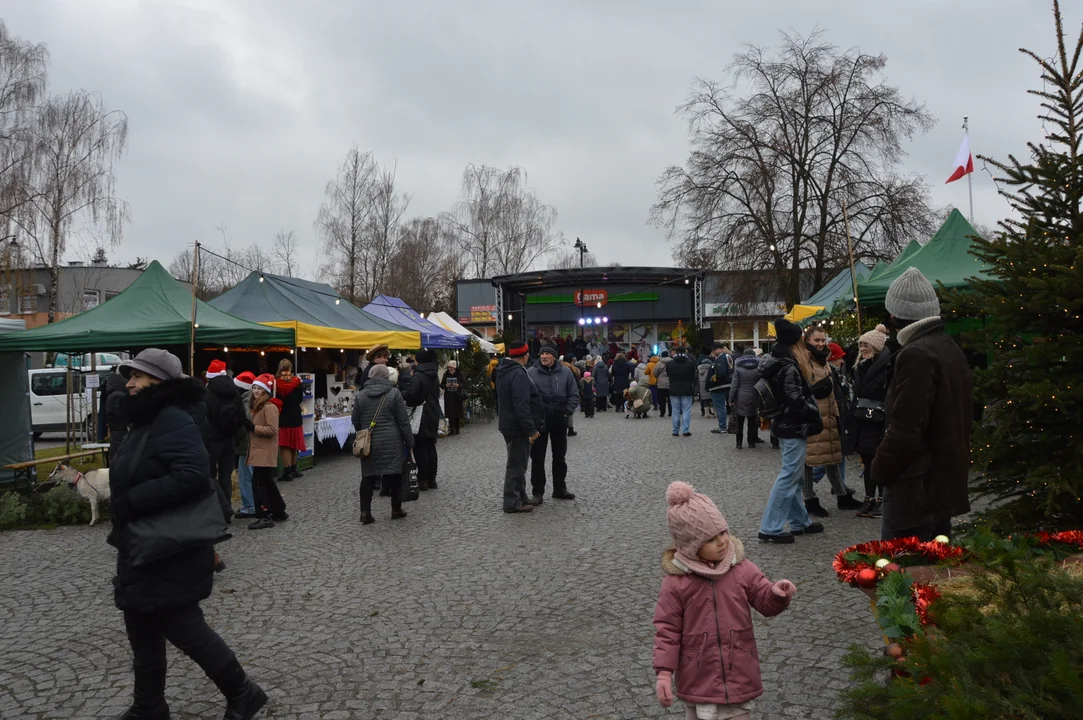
<point>969,176</point>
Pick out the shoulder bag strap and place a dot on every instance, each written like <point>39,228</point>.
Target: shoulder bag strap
<point>378,409</point>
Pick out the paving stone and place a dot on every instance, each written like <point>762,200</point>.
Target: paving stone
<point>458,611</point>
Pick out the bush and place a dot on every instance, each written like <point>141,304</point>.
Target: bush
<point>1010,646</point>
<point>59,506</point>
<point>12,510</point>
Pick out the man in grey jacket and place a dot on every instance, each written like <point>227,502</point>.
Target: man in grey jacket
<point>521,419</point>
<point>560,393</point>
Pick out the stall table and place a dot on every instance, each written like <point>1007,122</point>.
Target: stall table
<point>339,427</point>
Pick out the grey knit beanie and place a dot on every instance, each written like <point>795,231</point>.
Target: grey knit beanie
<point>912,297</point>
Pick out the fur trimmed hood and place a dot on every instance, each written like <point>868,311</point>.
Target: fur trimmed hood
<point>185,393</point>
<point>670,568</point>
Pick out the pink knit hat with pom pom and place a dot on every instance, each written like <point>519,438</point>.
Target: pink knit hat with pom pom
<point>693,520</point>
<point>875,338</point>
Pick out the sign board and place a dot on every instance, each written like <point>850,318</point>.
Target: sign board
<point>482,314</point>
<point>93,380</point>
<point>591,297</point>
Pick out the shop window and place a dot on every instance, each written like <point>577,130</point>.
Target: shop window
<point>28,304</point>
<point>91,298</point>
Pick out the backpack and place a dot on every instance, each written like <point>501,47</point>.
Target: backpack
<point>767,402</point>
<point>721,372</point>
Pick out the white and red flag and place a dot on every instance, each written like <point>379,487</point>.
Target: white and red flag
<point>964,161</point>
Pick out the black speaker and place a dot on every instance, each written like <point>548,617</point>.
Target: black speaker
<point>706,337</point>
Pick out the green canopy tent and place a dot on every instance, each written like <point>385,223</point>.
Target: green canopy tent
<point>945,260</point>
<point>882,267</point>
<point>840,286</point>
<point>153,311</point>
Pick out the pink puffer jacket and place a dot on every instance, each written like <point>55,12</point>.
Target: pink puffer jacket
<point>704,630</point>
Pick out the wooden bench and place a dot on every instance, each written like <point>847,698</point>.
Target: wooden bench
<point>24,471</point>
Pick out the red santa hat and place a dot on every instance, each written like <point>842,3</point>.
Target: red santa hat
<point>244,380</point>
<point>266,381</point>
<point>217,368</point>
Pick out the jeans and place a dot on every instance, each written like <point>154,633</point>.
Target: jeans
<point>785,504</point>
<point>555,434</point>
<point>244,481</point>
<point>836,475</point>
<point>681,413</point>
<point>188,631</point>
<point>269,502</point>
<point>518,447</point>
<point>654,395</point>
<point>719,398</point>
<point>753,430</point>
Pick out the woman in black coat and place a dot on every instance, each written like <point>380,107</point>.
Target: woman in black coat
<point>620,378</point>
<point>424,392</point>
<point>872,376</point>
<point>162,464</point>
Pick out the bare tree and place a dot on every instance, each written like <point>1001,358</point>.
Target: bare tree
<point>23,69</point>
<point>424,262</point>
<point>569,259</point>
<point>181,267</point>
<point>77,142</point>
<point>285,252</point>
<point>382,232</point>
<point>802,132</point>
<point>501,225</point>
<point>342,221</point>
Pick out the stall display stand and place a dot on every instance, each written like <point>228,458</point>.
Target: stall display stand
<point>307,459</point>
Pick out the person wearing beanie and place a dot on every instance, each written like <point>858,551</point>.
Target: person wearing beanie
<point>225,418</point>
<point>707,594</point>
<point>661,383</point>
<point>454,388</point>
<point>586,394</point>
<point>719,385</point>
<point>923,460</point>
<point>520,419</point>
<point>681,373</point>
<point>560,394</point>
<point>422,395</point>
<point>244,381</point>
<point>380,409</point>
<point>872,374</point>
<point>569,362</point>
<point>600,373</point>
<point>637,401</point>
<point>161,467</point>
<point>796,418</point>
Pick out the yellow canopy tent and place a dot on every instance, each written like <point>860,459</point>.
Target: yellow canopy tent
<point>796,315</point>
<point>318,315</point>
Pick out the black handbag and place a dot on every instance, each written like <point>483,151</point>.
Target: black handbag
<point>870,410</point>
<point>176,529</point>
<point>410,487</point>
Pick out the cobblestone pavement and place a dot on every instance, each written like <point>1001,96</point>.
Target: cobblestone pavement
<point>459,611</point>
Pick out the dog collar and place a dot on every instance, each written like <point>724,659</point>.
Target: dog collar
<point>79,476</point>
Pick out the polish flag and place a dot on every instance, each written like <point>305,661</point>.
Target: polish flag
<point>964,161</point>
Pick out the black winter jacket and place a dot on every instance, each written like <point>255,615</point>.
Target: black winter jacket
<point>683,376</point>
<point>173,468</point>
<point>742,396</point>
<point>225,413</point>
<point>424,389</point>
<point>621,374</point>
<point>799,408</point>
<point>519,401</point>
<point>871,378</point>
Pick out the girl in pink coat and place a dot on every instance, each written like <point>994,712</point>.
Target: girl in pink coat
<point>702,621</point>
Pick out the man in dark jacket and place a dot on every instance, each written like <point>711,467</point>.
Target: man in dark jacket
<point>424,391</point>
<point>682,387</point>
<point>560,394</point>
<point>923,462</point>
<point>521,419</point>
<point>225,414</point>
<point>719,383</point>
<point>743,398</point>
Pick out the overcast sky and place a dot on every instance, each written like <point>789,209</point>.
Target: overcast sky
<point>241,110</point>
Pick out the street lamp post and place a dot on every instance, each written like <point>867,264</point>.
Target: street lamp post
<point>582,248</point>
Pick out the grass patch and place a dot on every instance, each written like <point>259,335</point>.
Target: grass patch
<point>83,464</point>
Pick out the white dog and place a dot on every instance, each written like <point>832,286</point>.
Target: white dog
<point>94,486</point>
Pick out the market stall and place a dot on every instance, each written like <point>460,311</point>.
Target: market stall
<point>433,336</point>
<point>448,323</point>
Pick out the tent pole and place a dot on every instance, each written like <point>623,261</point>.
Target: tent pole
<point>970,175</point>
<point>853,272</point>
<point>67,413</point>
<point>195,284</point>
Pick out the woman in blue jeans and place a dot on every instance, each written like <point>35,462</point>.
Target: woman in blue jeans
<point>799,418</point>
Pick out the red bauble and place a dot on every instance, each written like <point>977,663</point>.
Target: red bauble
<point>866,578</point>
<point>892,567</point>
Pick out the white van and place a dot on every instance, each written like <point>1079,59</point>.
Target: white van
<point>49,396</point>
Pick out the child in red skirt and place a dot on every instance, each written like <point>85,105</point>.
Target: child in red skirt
<point>291,435</point>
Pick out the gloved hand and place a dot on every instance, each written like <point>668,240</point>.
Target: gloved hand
<point>249,426</point>
<point>663,688</point>
<point>121,508</point>
<point>784,589</point>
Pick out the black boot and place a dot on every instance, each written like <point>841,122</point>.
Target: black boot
<point>294,472</point>
<point>146,709</point>
<point>813,506</point>
<point>244,698</point>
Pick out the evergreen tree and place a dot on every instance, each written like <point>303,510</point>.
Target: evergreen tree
<point>1028,453</point>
